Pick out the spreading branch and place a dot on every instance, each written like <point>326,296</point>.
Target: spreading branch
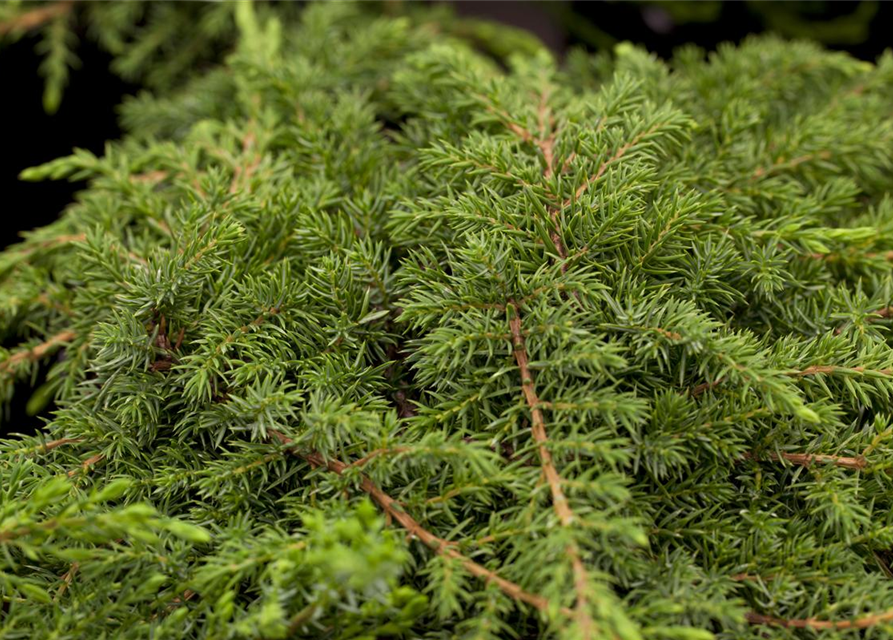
<point>559,500</point>
<point>433,542</point>
<point>621,151</point>
<point>545,142</point>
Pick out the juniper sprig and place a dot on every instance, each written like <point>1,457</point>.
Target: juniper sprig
<point>364,333</point>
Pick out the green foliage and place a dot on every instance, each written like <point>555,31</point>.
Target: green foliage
<point>363,333</point>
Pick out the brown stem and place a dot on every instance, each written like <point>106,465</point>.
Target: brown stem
<point>568,162</point>
<point>565,515</point>
<point>150,177</point>
<point>64,239</point>
<point>807,459</point>
<point>35,353</point>
<point>862,622</point>
<point>86,464</point>
<point>745,577</point>
<point>556,239</point>
<point>49,446</point>
<point>66,580</point>
<point>36,17</point>
<point>395,512</point>
<point>546,144</point>
<point>820,369</point>
<point>243,174</point>
<point>44,299</point>
<point>559,500</point>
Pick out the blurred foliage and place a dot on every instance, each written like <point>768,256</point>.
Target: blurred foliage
<point>820,21</point>
<point>601,25</point>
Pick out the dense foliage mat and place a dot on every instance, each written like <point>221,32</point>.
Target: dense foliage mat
<point>364,333</point>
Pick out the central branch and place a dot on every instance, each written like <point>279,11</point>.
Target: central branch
<point>559,501</point>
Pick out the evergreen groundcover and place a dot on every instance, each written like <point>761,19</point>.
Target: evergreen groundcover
<point>364,332</point>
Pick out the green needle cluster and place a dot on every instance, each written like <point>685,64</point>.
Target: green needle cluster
<point>363,332</point>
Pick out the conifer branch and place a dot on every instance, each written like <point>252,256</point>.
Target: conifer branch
<point>567,163</point>
<point>618,155</point>
<point>545,143</point>
<point>372,182</point>
<point>862,622</point>
<point>37,352</point>
<point>565,515</point>
<point>559,500</point>
<point>43,447</point>
<point>746,577</point>
<point>395,512</point>
<point>149,177</point>
<point>44,299</point>
<point>705,386</point>
<point>259,320</point>
<point>807,459</point>
<point>507,120</point>
<point>831,369</point>
<point>16,532</point>
<point>63,239</point>
<point>556,239</point>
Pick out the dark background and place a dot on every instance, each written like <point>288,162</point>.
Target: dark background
<point>30,137</point>
<point>87,116</point>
